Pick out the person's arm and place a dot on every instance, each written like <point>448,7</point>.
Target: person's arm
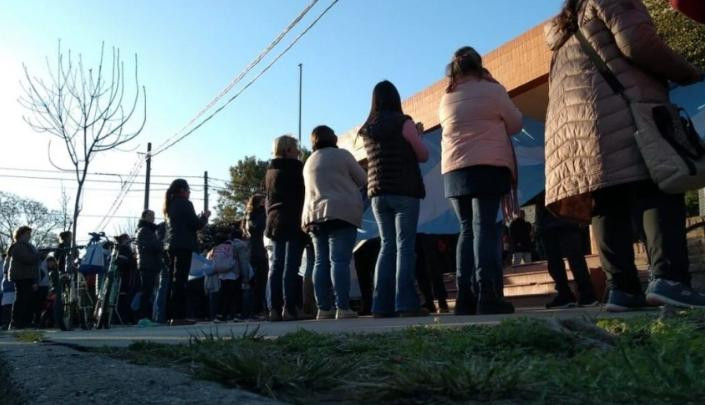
<point>509,113</point>
<point>635,35</point>
<point>194,221</point>
<point>411,134</point>
<point>123,258</point>
<point>356,171</point>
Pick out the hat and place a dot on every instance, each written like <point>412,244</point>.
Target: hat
<point>122,237</point>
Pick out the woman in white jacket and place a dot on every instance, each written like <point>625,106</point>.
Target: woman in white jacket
<point>331,215</point>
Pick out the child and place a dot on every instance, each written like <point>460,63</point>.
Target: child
<point>8,298</point>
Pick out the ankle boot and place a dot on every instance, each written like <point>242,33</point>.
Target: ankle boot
<point>490,302</point>
<point>465,303</point>
<point>442,306</point>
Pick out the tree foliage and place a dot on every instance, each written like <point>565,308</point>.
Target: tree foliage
<point>680,32</point>
<point>246,179</point>
<point>16,211</point>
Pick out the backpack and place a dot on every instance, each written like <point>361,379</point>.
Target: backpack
<point>93,261</point>
<point>223,258</point>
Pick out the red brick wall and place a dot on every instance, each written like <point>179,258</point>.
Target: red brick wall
<point>520,64</point>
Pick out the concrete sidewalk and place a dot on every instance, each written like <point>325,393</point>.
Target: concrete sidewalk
<point>123,336</point>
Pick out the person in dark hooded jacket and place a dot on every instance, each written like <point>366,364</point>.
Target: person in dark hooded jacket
<point>395,187</point>
<point>149,263</point>
<point>285,201</point>
<point>126,266</point>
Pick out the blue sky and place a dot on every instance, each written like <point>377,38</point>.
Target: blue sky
<point>188,51</point>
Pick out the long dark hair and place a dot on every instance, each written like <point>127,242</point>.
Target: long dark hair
<point>175,189</point>
<point>466,61</point>
<point>385,98</point>
<point>252,204</point>
<point>323,137</point>
<point>567,19</point>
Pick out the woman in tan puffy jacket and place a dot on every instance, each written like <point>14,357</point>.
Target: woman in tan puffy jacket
<point>594,170</point>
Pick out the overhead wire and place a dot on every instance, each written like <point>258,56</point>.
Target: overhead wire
<point>126,185</point>
<point>161,148</point>
<point>173,176</point>
<point>242,73</point>
<point>250,83</point>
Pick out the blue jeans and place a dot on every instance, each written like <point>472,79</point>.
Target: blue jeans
<point>476,257</point>
<point>395,281</point>
<point>334,251</point>
<point>160,302</point>
<point>283,284</point>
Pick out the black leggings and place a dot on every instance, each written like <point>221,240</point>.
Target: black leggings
<point>230,298</point>
<point>23,308</point>
<point>180,266</point>
<point>663,218</point>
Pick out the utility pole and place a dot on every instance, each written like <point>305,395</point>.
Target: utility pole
<point>148,174</point>
<point>301,76</point>
<point>205,191</point>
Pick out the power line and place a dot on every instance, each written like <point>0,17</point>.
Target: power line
<point>123,192</point>
<point>251,82</point>
<point>16,176</point>
<point>242,74</point>
<point>172,176</point>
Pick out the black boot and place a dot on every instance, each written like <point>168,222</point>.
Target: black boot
<point>465,303</point>
<point>490,302</point>
<point>442,306</point>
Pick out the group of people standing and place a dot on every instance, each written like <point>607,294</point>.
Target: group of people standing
<point>594,174</point>
<point>324,198</point>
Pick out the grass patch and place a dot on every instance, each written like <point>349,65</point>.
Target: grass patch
<point>29,336</point>
<point>637,360</point>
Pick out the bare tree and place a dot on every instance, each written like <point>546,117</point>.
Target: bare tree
<point>85,108</point>
<point>66,216</point>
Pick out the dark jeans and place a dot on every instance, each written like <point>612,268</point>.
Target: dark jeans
<point>365,260</point>
<point>163,292</point>
<point>180,266</point>
<point>5,315</point>
<point>23,308</point>
<point>230,298</point>
<point>429,269</point>
<point>567,242</point>
<point>40,302</point>
<point>197,299</point>
<point>397,217</point>
<point>285,288</point>
<point>663,218</point>
<point>261,267</point>
<point>478,267</point>
<point>147,282</point>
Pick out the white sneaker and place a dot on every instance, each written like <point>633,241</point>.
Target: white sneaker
<point>345,314</point>
<point>325,314</point>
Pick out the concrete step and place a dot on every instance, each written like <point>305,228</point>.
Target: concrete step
<point>530,285</point>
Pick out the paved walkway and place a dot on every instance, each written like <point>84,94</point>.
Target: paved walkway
<point>123,336</point>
